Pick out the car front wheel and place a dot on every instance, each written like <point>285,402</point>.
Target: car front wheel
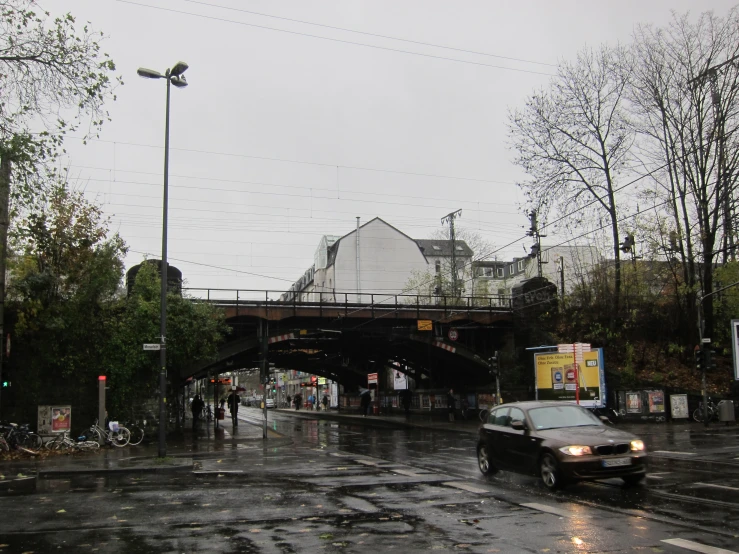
<point>549,472</point>
<point>483,460</point>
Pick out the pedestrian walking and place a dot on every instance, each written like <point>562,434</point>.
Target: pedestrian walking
<point>465,407</point>
<point>297,399</point>
<point>288,400</point>
<point>405,399</point>
<point>233,406</point>
<point>365,397</point>
<point>450,401</point>
<point>196,407</point>
<point>324,401</point>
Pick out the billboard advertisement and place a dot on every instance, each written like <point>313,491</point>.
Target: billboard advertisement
<point>559,378</point>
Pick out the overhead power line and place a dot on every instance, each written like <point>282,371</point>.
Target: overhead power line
<point>271,159</point>
<point>336,28</point>
<point>385,48</point>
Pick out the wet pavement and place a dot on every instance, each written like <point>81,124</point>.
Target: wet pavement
<point>342,483</point>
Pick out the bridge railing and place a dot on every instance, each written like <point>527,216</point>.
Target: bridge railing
<point>376,300</point>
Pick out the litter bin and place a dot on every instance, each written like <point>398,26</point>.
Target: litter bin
<point>220,413</point>
<point>726,411</point>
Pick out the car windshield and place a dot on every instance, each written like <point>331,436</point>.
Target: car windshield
<point>553,417</point>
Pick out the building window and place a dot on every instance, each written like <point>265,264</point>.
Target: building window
<point>438,266</point>
<point>460,248</point>
<point>500,272</point>
<point>435,247</point>
<point>512,269</point>
<point>520,265</point>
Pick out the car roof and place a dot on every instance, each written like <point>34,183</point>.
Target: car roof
<point>529,404</point>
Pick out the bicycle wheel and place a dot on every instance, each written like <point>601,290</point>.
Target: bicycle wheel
<point>698,415</point>
<point>87,445</point>
<point>32,440</point>
<point>121,437</point>
<point>484,415</point>
<point>137,436</point>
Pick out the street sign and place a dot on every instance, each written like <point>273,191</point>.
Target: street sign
<point>453,334</point>
<point>425,325</point>
<point>706,341</point>
<point>152,346</point>
<point>371,378</point>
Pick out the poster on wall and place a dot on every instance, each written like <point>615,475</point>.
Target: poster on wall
<point>54,419</point>
<point>679,406</point>
<point>400,380</point>
<point>559,378</point>
<point>633,403</point>
<point>656,399</point>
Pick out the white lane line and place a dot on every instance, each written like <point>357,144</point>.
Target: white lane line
<point>649,476</point>
<point>464,487</point>
<point>406,472</point>
<point>551,510</point>
<point>697,547</point>
<point>716,486</point>
<point>672,452</point>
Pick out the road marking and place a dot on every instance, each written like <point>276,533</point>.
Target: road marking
<point>649,476</point>
<point>671,452</point>
<point>550,510</point>
<point>464,487</point>
<point>406,472</point>
<point>716,486</point>
<point>697,547</point>
<point>366,462</point>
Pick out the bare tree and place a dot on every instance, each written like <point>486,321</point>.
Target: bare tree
<point>573,140</point>
<point>687,118</point>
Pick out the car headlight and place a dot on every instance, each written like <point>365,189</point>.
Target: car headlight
<point>576,450</point>
<point>637,445</point>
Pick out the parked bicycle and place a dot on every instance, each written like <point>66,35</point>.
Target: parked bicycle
<point>117,435</point>
<point>21,436</point>
<point>138,431</point>
<point>698,414</point>
<point>62,441</point>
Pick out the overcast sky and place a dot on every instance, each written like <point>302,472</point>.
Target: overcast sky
<point>289,130</point>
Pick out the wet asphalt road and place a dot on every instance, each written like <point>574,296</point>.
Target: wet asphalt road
<point>356,486</point>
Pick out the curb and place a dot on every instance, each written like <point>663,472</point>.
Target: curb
<point>56,473</point>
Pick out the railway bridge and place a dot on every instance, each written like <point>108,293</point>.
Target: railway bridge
<point>438,341</point>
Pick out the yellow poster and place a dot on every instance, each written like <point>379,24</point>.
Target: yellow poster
<point>558,377</point>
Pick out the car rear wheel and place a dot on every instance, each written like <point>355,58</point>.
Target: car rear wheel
<point>483,460</point>
<point>634,479</point>
<point>549,472</point>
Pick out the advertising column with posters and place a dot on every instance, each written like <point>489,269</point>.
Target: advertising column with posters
<point>557,378</point>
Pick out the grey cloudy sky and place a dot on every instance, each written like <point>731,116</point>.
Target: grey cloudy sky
<point>281,137</point>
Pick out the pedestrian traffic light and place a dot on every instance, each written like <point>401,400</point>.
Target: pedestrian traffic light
<point>6,384</point>
<point>494,364</point>
<point>699,359</point>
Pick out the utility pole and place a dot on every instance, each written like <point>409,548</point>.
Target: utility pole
<point>722,181</point>
<point>263,330</point>
<point>449,218</point>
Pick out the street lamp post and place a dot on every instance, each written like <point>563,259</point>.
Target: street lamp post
<point>175,77</point>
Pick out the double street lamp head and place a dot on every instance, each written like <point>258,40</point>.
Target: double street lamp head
<point>175,75</point>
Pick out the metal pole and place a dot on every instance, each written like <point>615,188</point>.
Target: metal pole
<point>163,276</point>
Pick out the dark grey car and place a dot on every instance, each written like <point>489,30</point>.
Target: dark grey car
<point>559,442</point>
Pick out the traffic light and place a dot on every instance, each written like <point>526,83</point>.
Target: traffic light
<point>699,359</point>
<point>494,364</point>
<point>708,359</point>
<point>628,243</point>
<point>6,384</point>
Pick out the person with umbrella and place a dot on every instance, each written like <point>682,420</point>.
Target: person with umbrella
<point>365,397</point>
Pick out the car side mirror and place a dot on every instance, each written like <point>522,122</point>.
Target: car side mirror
<point>518,425</point>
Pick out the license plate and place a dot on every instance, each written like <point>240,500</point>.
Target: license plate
<point>617,462</point>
